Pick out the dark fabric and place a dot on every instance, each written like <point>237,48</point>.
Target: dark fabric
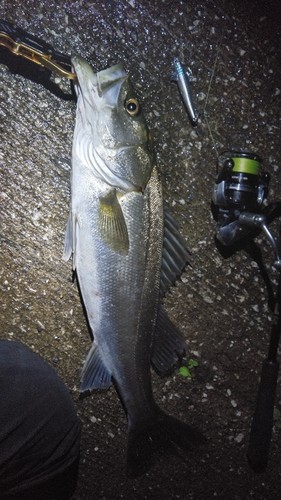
<point>39,428</point>
<point>59,487</point>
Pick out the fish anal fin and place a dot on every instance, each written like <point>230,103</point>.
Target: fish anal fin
<point>112,225</point>
<point>168,345</point>
<point>94,375</point>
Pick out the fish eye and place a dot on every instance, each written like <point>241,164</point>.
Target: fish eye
<point>132,107</point>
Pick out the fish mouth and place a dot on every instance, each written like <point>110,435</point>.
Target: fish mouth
<point>105,83</point>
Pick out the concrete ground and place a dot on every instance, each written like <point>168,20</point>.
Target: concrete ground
<point>233,49</point>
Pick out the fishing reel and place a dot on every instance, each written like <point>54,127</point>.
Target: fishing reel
<point>241,184</point>
<point>241,210</point>
<point>239,200</point>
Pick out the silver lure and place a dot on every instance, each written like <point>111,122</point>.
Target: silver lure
<point>182,77</point>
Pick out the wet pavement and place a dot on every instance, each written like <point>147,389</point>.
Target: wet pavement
<point>233,50</point>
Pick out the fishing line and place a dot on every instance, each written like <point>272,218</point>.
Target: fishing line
<point>206,102</point>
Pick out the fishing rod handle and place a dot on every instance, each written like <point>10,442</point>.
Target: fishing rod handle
<point>262,423</point>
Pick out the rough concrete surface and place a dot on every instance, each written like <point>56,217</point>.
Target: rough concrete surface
<point>233,49</point>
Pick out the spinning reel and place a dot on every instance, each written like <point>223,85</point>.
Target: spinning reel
<point>239,201</point>
<point>241,210</point>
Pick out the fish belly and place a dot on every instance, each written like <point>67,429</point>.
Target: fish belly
<point>121,292</point>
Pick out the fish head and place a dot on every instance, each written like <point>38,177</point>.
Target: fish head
<point>111,125</point>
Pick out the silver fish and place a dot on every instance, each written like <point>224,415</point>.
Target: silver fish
<point>115,232</point>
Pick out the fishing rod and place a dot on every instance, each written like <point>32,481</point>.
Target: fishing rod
<point>239,208</point>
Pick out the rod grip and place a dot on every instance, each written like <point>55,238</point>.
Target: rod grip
<point>261,429</point>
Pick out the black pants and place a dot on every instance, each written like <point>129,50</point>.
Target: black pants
<point>60,487</point>
<point>39,428</point>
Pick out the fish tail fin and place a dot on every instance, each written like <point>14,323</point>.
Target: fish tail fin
<point>150,438</point>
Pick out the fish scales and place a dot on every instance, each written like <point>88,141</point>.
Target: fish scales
<point>122,293</point>
<point>115,233</point>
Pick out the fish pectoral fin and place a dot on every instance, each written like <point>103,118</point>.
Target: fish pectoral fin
<point>168,345</point>
<point>69,240</point>
<point>112,225</point>
<point>94,375</point>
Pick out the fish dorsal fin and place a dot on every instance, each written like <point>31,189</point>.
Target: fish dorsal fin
<point>175,256</point>
<point>94,375</point>
<point>112,225</point>
<point>168,344</point>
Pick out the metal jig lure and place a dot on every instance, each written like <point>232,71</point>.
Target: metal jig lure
<point>182,77</point>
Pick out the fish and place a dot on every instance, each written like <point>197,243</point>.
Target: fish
<point>126,252</point>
